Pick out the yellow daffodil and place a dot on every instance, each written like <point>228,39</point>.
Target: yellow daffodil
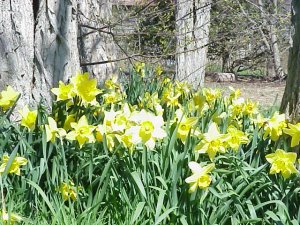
<point>182,88</point>
<point>211,95</point>
<point>200,178</point>
<point>234,93</point>
<point>250,108</point>
<point>172,99</point>
<point>112,83</point>
<point>294,132</point>
<point>110,141</point>
<point>83,132</point>
<point>158,70</point>
<point>52,131</point>
<point>64,91</point>
<point>235,138</point>
<point>140,68</point>
<point>28,118</point>
<point>126,140</point>
<point>199,101</point>
<point>8,98</point>
<point>10,218</point>
<point>166,81</point>
<point>274,126</point>
<point>212,142</point>
<point>68,191</point>
<point>112,97</point>
<point>100,131</point>
<point>68,121</point>
<point>282,162</point>
<point>85,88</point>
<point>237,107</point>
<point>15,165</point>
<point>185,124</point>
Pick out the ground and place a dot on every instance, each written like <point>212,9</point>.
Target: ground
<point>266,93</point>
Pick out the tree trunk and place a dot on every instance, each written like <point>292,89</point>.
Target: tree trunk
<point>192,28</point>
<point>16,46</point>
<point>39,43</point>
<point>96,41</point>
<point>274,43</point>
<point>56,53</point>
<point>273,48</point>
<point>291,98</point>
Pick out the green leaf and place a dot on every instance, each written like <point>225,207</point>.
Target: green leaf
<point>137,212</point>
<point>137,179</point>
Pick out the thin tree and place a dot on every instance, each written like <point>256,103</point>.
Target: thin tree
<point>291,98</point>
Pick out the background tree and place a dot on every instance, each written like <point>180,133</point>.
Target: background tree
<point>249,36</point>
<point>291,98</point>
<point>192,29</point>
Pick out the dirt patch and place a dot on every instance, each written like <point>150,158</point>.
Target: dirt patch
<point>266,93</point>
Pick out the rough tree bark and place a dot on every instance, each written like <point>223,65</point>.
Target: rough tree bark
<point>291,99</point>
<point>192,28</point>
<point>55,45</point>
<point>39,43</point>
<point>95,37</point>
<point>16,46</point>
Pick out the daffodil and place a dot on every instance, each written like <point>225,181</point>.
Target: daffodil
<point>148,128</point>
<point>199,101</point>
<point>182,88</point>
<point>282,162</point>
<point>64,91</point>
<point>109,120</point>
<point>120,123</point>
<point>8,98</point>
<point>100,131</point>
<point>273,127</point>
<point>235,138</point>
<point>112,83</point>
<point>234,93</point>
<point>237,107</point>
<point>158,70</point>
<point>126,140</point>
<point>85,88</point>
<point>10,218</point>
<point>68,191</point>
<point>15,165</point>
<point>250,108</point>
<point>52,131</point>
<point>200,178</point>
<point>185,124</point>
<point>112,97</point>
<point>294,132</point>
<point>172,99</point>
<point>28,118</point>
<point>67,125</point>
<point>140,68</point>
<point>211,95</point>
<point>260,121</point>
<point>83,132</point>
<point>212,142</point>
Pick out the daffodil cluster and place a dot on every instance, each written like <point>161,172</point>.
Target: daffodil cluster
<point>8,98</point>
<point>120,121</point>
